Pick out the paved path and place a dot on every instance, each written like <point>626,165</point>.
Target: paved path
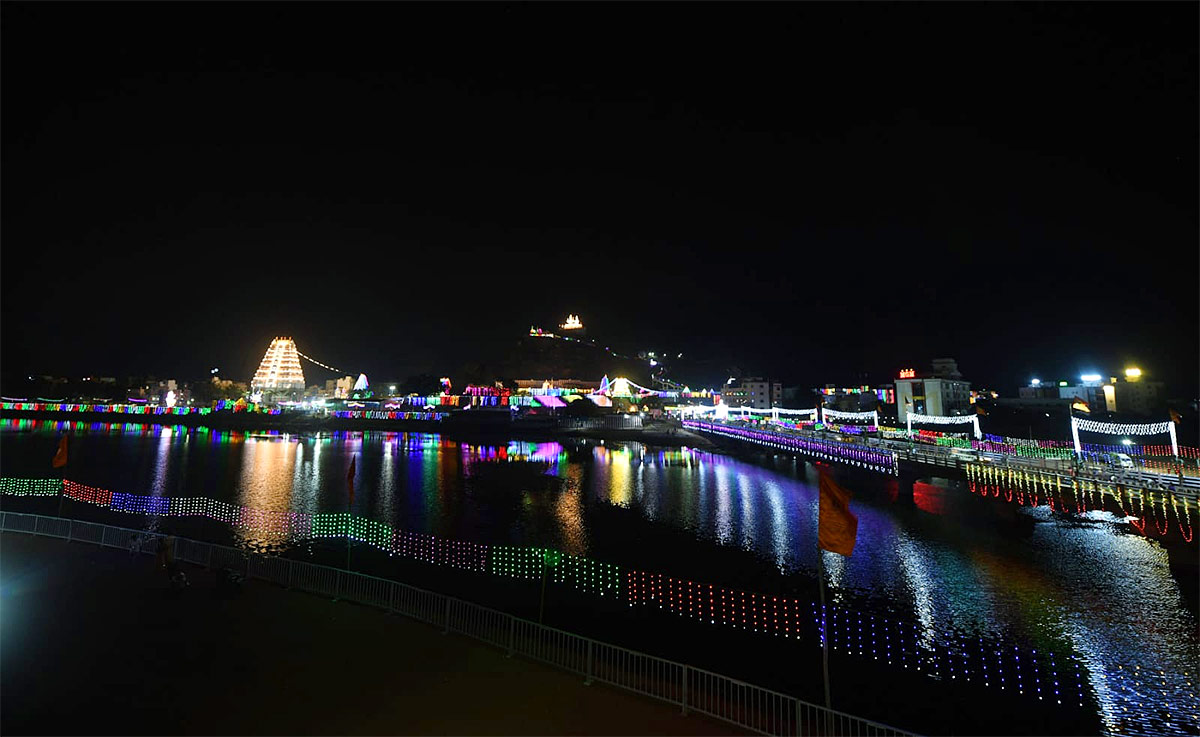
<point>93,641</point>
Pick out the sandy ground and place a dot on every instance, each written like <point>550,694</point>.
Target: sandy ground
<point>93,641</point>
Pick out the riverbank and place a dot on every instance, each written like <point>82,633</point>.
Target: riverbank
<point>653,433</point>
<point>183,662</point>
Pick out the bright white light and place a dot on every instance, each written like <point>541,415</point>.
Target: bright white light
<point>653,362</point>
<point>1035,382</point>
<point>1090,377</point>
<point>1126,441</point>
<point>170,398</point>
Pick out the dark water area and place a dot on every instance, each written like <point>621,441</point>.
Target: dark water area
<point>1111,611</point>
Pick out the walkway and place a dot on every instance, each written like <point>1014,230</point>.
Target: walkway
<point>94,642</point>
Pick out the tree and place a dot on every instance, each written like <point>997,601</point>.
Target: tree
<point>422,385</point>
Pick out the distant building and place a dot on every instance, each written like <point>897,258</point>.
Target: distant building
<point>857,398</point>
<point>797,397</point>
<point>339,388</point>
<point>156,391</point>
<point>1137,396</point>
<point>1134,395</point>
<point>940,392</point>
<point>754,392</point>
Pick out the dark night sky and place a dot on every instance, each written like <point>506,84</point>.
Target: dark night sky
<point>815,191</point>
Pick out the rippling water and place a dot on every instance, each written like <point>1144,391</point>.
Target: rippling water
<point>960,568</point>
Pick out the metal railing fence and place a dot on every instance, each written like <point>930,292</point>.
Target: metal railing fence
<point>695,690</point>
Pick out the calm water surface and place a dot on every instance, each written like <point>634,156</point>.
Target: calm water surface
<point>960,568</point>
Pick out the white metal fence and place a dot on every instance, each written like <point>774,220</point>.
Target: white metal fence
<point>694,690</point>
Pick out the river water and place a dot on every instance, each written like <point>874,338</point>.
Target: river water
<point>1109,627</point>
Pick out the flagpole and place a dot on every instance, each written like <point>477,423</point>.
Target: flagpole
<point>350,509</point>
<point>824,628</point>
<point>62,487</point>
<point>542,599</point>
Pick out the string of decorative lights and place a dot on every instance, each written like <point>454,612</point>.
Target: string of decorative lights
<point>839,415</point>
<point>124,409</point>
<point>1120,428</point>
<point>30,487</point>
<point>941,420</point>
<point>1017,484</point>
<point>322,365</point>
<point>371,414</point>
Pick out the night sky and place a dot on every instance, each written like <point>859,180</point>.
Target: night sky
<point>824,193</point>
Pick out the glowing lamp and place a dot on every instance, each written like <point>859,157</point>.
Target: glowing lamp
<point>1090,377</point>
<point>908,373</point>
<point>1035,382</point>
<point>1132,373</point>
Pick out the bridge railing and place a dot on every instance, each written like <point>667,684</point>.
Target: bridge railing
<point>696,690</point>
<point>945,457</point>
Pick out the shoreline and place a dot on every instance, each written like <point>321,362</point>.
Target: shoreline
<point>664,436</point>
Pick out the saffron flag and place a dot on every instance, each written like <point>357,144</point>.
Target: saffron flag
<point>1175,417</point>
<point>350,478</point>
<point>837,527</point>
<point>980,411</point>
<point>60,458</point>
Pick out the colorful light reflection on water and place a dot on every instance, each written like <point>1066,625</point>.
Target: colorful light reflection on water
<point>960,570</point>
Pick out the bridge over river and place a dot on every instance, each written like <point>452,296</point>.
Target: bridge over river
<point>1149,500</point>
<point>908,460</point>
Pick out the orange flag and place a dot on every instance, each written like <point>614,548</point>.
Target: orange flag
<point>1175,417</point>
<point>350,478</point>
<point>60,458</point>
<point>837,527</point>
